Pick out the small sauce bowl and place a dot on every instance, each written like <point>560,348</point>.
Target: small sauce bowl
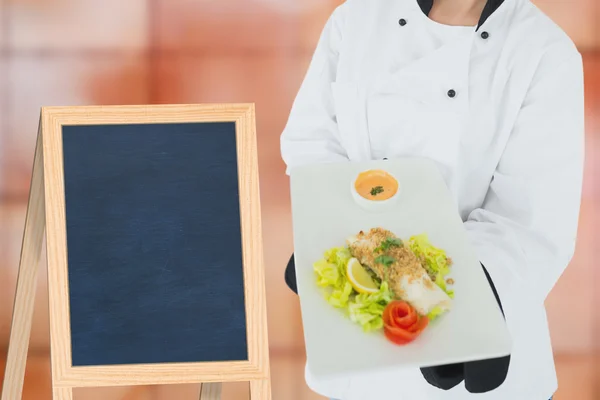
<point>375,190</point>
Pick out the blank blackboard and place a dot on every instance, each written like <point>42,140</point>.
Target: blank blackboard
<point>153,243</point>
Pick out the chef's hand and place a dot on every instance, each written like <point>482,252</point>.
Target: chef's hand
<point>479,376</point>
<point>290,275</point>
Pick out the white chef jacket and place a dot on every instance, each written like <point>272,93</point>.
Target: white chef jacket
<point>499,108</point>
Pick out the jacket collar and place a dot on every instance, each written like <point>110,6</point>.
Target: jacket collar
<point>488,10</point>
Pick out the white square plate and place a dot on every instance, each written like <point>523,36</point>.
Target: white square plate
<point>325,214</point>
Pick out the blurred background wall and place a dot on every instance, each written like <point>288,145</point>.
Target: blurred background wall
<point>76,52</point>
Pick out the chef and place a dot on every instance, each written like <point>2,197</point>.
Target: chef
<point>492,92</point>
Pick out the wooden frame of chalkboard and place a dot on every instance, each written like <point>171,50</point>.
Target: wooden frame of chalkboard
<point>47,210</point>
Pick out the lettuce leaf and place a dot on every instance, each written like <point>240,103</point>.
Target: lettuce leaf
<point>436,263</point>
<point>434,259</point>
<point>436,312</point>
<point>327,274</point>
<point>367,309</point>
<point>331,273</point>
<point>339,297</point>
<point>340,257</point>
<point>364,309</point>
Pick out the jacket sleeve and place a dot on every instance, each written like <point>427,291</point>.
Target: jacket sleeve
<point>525,231</point>
<point>311,134</point>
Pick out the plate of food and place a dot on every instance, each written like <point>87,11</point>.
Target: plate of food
<point>382,282</point>
<point>385,273</point>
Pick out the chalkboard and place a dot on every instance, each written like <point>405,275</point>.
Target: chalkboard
<point>153,243</point>
<point>152,220</point>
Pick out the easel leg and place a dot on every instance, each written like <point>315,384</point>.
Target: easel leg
<point>260,390</point>
<point>31,250</point>
<point>211,391</point>
<point>62,394</point>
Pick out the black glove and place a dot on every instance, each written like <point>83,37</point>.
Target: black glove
<point>290,275</point>
<point>479,376</point>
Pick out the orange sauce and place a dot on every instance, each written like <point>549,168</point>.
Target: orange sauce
<point>376,185</point>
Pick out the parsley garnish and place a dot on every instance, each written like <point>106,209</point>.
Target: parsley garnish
<point>385,260</point>
<point>389,242</point>
<point>376,190</point>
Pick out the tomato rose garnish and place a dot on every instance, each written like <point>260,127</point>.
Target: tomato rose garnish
<point>401,322</point>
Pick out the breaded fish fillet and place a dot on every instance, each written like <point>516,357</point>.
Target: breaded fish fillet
<point>393,261</point>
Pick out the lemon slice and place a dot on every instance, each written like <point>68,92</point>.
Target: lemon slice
<point>359,278</point>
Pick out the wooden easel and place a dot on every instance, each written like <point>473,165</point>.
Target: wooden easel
<point>44,213</point>
<point>31,252</point>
